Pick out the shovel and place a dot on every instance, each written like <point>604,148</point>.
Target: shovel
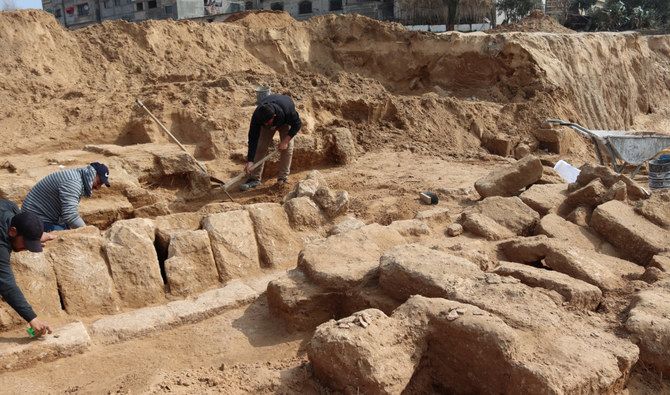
<point>215,180</point>
<point>241,175</point>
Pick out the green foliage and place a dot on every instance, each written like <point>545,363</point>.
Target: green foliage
<point>618,15</point>
<point>514,10</point>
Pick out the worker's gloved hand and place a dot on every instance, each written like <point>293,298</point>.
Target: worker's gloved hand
<point>40,327</point>
<point>247,168</point>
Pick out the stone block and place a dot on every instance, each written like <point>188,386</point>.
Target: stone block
<point>508,180</point>
<point>190,267</point>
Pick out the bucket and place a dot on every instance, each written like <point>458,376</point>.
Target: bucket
<point>261,92</point>
<point>567,171</point>
<point>659,174</point>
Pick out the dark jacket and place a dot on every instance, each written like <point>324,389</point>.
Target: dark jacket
<point>286,115</point>
<point>8,288</point>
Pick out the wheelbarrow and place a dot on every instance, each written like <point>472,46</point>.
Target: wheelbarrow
<point>628,147</point>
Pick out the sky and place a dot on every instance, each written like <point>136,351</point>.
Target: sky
<point>20,4</point>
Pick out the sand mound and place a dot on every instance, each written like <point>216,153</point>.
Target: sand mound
<point>536,22</point>
<point>257,19</point>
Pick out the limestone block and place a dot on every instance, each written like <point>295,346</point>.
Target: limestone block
<point>190,267</point>
<point>554,140</point>
<point>434,217</point>
<point>410,227</point>
<point>581,215</point>
<point>153,210</point>
<point>307,187</point>
<point>556,227</point>
<point>208,304</point>
<point>71,339</point>
<point>521,150</point>
<point>140,197</point>
<point>333,204</point>
<point>303,213</point>
<point>345,260</point>
<point>104,211</point>
<point>368,357</point>
<point>508,180</point>
<point>300,303</point>
<point>14,187</point>
<point>661,262</point>
<point>278,244</point>
<point>35,276</point>
<point>551,176</point>
<point>86,286</point>
<point>544,198</point>
<point>542,326</point>
<point>578,293</point>
<point>455,229</point>
<point>218,207</point>
<point>648,322</point>
<point>509,212</point>
<point>346,225</point>
<point>656,209</point>
<point>633,234</point>
<point>344,149</point>
<point>590,171</point>
<point>589,195</point>
<point>486,227</point>
<point>133,324</point>
<point>134,263</point>
<point>167,224</point>
<point>604,271</point>
<point>617,191</point>
<point>233,242</point>
<point>500,144</point>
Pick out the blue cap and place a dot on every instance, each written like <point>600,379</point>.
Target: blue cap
<point>102,171</point>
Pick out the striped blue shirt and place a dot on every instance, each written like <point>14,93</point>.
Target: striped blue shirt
<point>55,198</point>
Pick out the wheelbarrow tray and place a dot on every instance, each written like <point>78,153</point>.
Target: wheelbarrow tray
<point>630,147</point>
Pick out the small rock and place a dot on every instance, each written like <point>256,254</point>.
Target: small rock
<point>455,229</point>
<point>453,314</point>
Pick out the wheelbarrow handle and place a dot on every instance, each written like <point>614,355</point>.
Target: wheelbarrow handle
<point>573,125</point>
<point>558,121</point>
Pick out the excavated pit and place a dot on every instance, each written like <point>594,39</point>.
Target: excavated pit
<point>343,281</point>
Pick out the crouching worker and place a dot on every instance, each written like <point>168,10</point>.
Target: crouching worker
<point>19,231</point>
<point>274,113</point>
<point>55,198</point>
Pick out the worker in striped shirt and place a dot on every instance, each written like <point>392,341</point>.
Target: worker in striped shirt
<point>55,198</point>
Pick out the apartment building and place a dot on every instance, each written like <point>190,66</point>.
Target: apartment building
<point>74,14</point>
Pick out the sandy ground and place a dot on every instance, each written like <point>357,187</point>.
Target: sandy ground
<point>419,123</point>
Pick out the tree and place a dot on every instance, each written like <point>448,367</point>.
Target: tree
<point>474,11</point>
<point>514,10</point>
<point>620,15</point>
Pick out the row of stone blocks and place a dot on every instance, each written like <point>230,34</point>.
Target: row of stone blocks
<point>75,337</point>
<point>86,272</point>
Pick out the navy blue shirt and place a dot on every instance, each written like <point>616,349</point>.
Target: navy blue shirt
<point>8,288</point>
<point>285,115</point>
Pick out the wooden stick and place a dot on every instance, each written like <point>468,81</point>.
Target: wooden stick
<point>255,165</point>
<point>177,141</point>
